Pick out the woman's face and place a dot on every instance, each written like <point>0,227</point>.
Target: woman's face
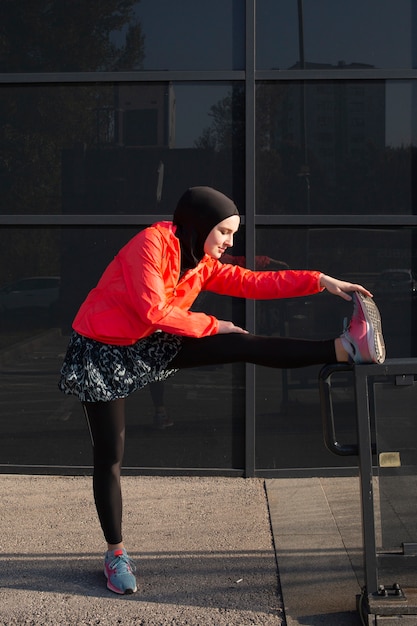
<point>221,237</point>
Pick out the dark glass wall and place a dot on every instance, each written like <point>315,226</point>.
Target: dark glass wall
<point>122,35</point>
<point>322,34</point>
<point>108,114</point>
<point>288,424</point>
<point>53,270</point>
<point>118,148</point>
<point>335,147</point>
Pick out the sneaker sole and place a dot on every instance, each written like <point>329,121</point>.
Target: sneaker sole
<point>127,592</point>
<point>373,319</point>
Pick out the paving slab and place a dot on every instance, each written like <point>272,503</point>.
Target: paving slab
<point>316,524</point>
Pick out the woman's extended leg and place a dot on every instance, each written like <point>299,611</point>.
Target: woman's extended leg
<point>361,342</point>
<point>279,352</point>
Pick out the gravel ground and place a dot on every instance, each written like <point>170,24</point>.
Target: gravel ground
<point>203,549</point>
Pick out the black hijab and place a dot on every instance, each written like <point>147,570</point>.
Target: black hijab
<point>198,211</point>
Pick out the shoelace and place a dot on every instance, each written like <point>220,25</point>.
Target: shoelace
<point>125,560</point>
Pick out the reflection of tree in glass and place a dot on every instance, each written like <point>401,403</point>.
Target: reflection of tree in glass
<point>273,165</point>
<point>227,130</point>
<point>39,121</point>
<point>62,36</point>
<point>225,138</point>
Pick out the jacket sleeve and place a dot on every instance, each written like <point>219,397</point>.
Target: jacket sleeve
<point>237,281</point>
<point>151,288</point>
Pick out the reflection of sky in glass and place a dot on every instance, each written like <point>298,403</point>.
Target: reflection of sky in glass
<point>398,103</point>
<point>193,104</point>
<point>190,35</point>
<point>375,32</point>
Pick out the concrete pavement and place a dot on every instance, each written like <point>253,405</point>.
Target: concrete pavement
<point>204,549</point>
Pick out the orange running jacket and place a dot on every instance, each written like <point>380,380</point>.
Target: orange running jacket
<point>141,290</point>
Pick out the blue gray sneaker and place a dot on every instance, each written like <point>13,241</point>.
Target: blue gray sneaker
<point>119,570</point>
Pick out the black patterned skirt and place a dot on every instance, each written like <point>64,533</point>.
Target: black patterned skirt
<point>96,371</point>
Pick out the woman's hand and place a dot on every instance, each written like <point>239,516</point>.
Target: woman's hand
<point>228,327</point>
<point>341,287</point>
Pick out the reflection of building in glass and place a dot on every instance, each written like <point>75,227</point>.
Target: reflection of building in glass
<point>340,120</point>
<point>132,164</point>
<point>145,116</point>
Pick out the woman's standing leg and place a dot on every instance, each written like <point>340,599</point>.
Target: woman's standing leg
<point>106,421</point>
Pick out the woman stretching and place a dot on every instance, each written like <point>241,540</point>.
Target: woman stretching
<point>135,327</point>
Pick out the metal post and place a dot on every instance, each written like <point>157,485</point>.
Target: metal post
<point>365,473</point>
<point>250,227</point>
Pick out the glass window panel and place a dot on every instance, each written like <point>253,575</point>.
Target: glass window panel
<point>352,34</point>
<point>396,480</point>
<point>288,430</point>
<point>199,36</point>
<point>337,147</point>
<point>118,148</point>
<point>122,36</point>
<point>45,274</point>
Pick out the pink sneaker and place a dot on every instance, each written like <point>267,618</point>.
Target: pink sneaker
<point>363,340</point>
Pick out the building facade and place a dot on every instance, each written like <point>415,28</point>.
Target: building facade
<point>303,111</point>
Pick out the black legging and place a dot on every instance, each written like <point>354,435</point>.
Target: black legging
<point>279,352</point>
<point>107,419</point>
